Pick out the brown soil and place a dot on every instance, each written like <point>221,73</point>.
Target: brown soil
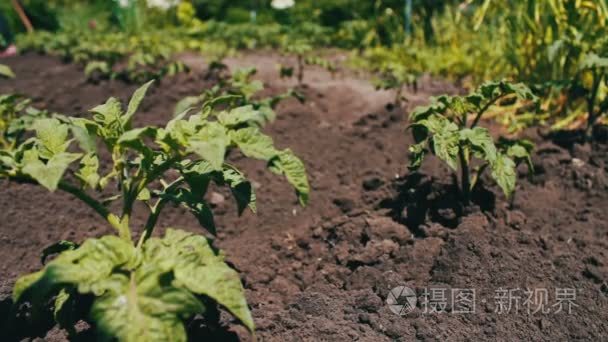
<point>324,272</point>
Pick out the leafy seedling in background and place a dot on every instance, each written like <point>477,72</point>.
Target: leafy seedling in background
<point>16,115</point>
<point>112,54</point>
<point>396,77</point>
<point>395,68</point>
<point>240,90</point>
<point>303,52</point>
<point>449,129</point>
<point>145,288</point>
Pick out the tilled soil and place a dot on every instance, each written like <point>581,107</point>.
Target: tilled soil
<point>324,272</point>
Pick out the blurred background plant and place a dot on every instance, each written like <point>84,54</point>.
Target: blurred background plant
<point>545,43</point>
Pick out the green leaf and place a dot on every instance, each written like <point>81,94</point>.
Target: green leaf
<point>101,66</point>
<point>522,91</point>
<point>491,90</point>
<point>241,115</point>
<point>519,150</point>
<point>55,248</point>
<point>481,143</point>
<point>136,99</point>
<point>91,263</point>
<point>109,118</point>
<point>199,269</point>
<point>241,189</point>
<point>195,203</point>
<point>446,148</point>
<point>253,143</point>
<point>423,112</point>
<point>198,177</point>
<point>444,138</point>
<point>185,103</point>
<point>144,195</point>
<point>210,143</point>
<point>251,88</point>
<point>121,225</point>
<point>286,163</point>
<point>108,113</point>
<point>592,60</point>
<point>5,71</point>
<point>176,134</point>
<point>52,137</point>
<point>86,140</point>
<point>89,166</point>
<point>266,113</point>
<point>132,138</point>
<point>459,106</point>
<point>417,153</point>
<point>84,268</point>
<point>24,283</point>
<point>226,100</point>
<point>63,310</point>
<point>48,175</point>
<point>503,172</point>
<point>144,307</point>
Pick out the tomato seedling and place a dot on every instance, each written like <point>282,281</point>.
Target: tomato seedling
<point>303,52</point>
<point>446,130</point>
<point>239,90</point>
<point>143,289</point>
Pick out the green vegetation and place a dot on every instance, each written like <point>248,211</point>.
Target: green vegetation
<point>143,285</point>
<point>449,129</point>
<point>238,90</point>
<point>143,289</point>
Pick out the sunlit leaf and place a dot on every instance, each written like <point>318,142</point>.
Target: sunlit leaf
<point>287,164</point>
<point>211,143</point>
<point>253,143</point>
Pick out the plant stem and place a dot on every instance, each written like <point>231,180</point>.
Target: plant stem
<point>153,218</point>
<point>74,191</point>
<point>151,222</point>
<point>300,69</point>
<point>465,180</point>
<point>156,173</point>
<point>81,195</point>
<point>477,174</point>
<point>483,110</point>
<point>398,95</point>
<point>597,80</point>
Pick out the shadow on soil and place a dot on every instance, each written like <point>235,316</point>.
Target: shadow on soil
<point>418,198</point>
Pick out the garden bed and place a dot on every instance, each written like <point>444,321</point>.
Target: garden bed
<point>324,272</point>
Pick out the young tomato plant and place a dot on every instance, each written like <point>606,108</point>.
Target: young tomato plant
<point>142,289</point>
<point>302,50</point>
<point>449,129</point>
<point>395,68</point>
<point>396,77</point>
<point>239,90</point>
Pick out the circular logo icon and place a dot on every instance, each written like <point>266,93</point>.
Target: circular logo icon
<point>401,300</point>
